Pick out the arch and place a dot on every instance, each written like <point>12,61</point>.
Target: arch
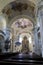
<point>25,34</point>
<point>19,17</point>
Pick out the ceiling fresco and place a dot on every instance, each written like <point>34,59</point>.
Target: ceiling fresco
<point>23,23</point>
<point>18,8</point>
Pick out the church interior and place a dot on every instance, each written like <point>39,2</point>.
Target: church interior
<point>21,31</point>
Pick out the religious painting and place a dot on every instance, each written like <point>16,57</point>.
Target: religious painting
<point>11,9</point>
<point>23,23</point>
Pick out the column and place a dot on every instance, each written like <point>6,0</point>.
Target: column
<point>37,48</point>
<point>41,28</point>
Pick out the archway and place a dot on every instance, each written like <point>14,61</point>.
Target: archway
<point>22,27</point>
<point>29,38</point>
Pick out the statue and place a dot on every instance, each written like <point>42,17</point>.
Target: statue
<point>25,45</point>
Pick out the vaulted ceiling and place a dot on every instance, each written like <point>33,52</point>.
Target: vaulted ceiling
<point>3,3</point>
<point>29,12</point>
